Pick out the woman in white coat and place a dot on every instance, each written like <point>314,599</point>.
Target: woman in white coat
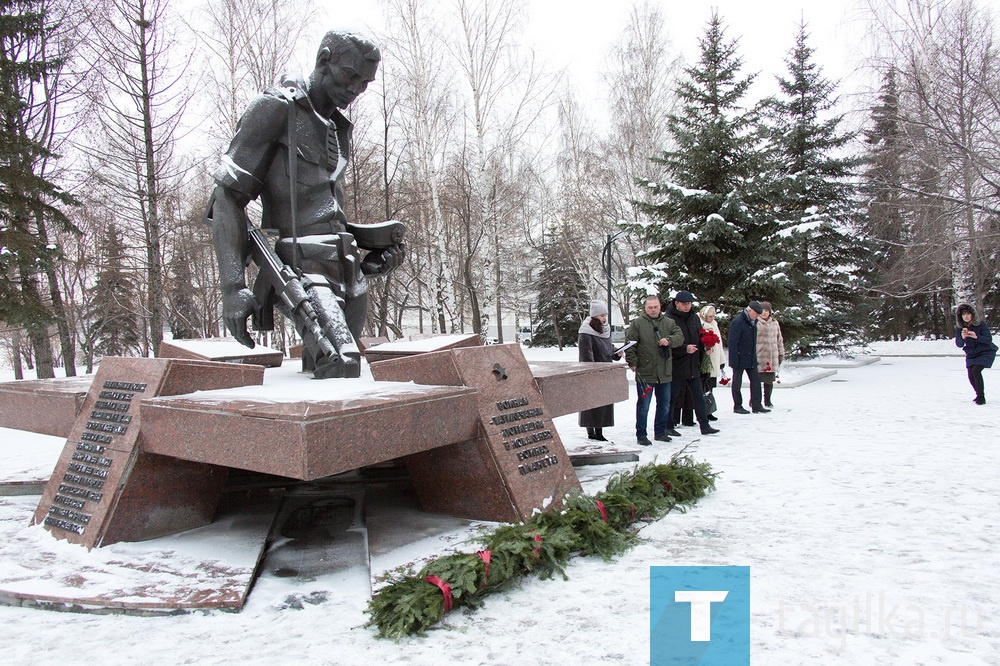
<point>715,356</point>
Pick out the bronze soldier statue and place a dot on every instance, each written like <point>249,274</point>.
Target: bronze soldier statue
<point>316,273</point>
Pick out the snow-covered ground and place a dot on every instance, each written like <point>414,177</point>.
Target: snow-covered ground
<point>865,505</point>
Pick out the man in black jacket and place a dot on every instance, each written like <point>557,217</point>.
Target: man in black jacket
<point>687,361</point>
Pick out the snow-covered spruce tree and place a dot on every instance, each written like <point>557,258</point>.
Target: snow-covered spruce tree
<point>28,200</point>
<point>185,322</point>
<point>712,229</point>
<point>562,294</point>
<point>885,220</point>
<point>115,329</point>
<point>817,292</point>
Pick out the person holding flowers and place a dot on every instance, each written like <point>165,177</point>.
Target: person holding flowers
<point>714,358</point>
<point>770,350</point>
<point>687,360</point>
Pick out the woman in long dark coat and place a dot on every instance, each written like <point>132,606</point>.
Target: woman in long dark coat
<point>595,346</point>
<point>973,336</point>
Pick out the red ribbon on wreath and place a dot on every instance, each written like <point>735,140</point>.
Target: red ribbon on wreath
<point>485,555</point>
<point>445,591</point>
<point>604,512</point>
<point>666,486</point>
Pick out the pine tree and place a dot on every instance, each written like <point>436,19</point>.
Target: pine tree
<point>114,326</point>
<point>886,220</point>
<point>712,222</point>
<point>562,295</point>
<point>816,203</point>
<point>25,197</point>
<point>185,321</point>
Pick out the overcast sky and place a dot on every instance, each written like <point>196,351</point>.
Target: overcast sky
<point>577,34</point>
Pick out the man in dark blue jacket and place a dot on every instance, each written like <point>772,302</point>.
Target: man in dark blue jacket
<point>743,357</point>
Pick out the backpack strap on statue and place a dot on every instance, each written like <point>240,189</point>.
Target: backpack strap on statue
<point>292,94</point>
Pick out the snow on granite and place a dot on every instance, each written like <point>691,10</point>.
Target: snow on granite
<point>865,505</point>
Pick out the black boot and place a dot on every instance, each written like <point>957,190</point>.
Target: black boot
<point>599,435</point>
<point>591,433</point>
<point>768,388</point>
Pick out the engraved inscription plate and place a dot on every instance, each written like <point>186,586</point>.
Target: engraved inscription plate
<point>98,451</point>
<point>105,488</point>
<point>518,464</point>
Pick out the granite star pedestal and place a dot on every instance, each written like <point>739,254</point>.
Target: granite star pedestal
<point>516,465</point>
<point>105,487</point>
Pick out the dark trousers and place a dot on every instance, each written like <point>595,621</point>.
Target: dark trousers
<point>693,387</point>
<point>662,414</point>
<point>754,379</point>
<point>976,379</point>
<point>681,406</point>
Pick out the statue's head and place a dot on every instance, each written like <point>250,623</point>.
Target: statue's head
<point>345,64</point>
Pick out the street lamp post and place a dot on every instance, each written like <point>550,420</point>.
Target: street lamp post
<point>607,266</point>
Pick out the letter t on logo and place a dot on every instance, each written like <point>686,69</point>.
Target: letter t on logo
<point>701,610</point>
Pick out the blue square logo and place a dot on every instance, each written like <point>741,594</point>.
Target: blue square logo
<point>699,615</point>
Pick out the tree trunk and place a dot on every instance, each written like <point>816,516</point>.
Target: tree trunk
<point>67,344</point>
<point>16,351</point>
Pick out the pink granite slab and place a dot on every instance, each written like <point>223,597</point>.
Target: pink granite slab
<point>421,344</point>
<point>94,474</point>
<point>517,465</point>
<point>45,406</point>
<point>226,350</point>
<point>210,567</point>
<point>570,387</point>
<point>308,439</point>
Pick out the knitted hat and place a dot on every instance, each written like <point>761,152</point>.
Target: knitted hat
<point>755,306</point>
<point>598,308</point>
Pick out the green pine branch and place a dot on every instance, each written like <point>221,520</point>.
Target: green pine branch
<point>410,604</point>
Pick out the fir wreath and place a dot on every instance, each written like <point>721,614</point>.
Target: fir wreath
<point>410,603</point>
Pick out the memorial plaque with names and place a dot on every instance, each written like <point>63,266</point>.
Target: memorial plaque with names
<point>104,488</point>
<point>517,465</point>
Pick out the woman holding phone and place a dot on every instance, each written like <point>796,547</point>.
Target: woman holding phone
<point>973,336</point>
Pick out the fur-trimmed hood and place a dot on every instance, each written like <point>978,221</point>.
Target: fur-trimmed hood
<point>966,307</point>
<point>587,329</point>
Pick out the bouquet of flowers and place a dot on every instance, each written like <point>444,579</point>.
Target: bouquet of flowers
<point>709,339</point>
<point>724,379</point>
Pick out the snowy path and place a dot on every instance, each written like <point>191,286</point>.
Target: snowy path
<point>866,506</point>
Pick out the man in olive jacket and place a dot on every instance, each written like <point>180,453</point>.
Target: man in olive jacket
<point>654,334</point>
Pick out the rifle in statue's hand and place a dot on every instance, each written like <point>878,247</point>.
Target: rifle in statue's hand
<point>329,343</point>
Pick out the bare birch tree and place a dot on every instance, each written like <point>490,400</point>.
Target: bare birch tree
<point>506,91</point>
<point>249,43</point>
<point>640,77</point>
<point>417,56</point>
<point>946,59</point>
<point>139,106</point>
